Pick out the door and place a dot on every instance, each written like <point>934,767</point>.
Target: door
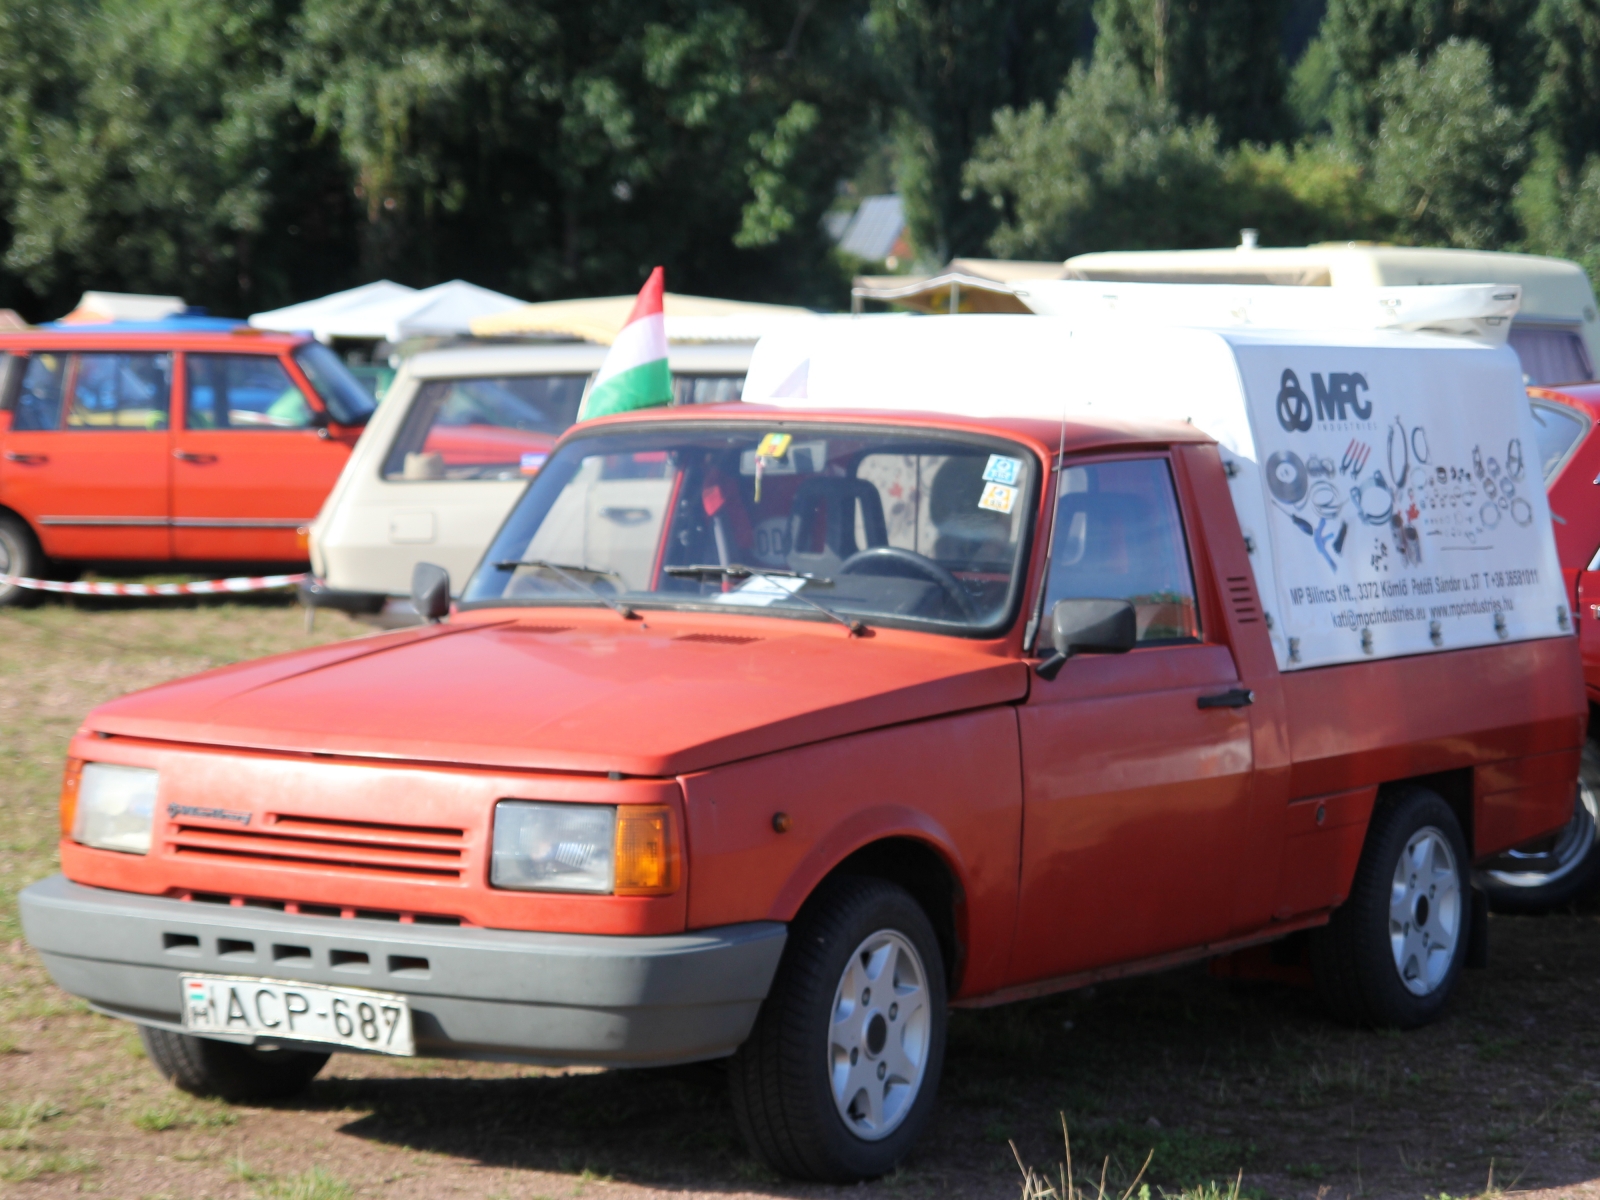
<point>1589,626</point>
<point>1135,797</point>
<point>86,458</point>
<point>251,464</point>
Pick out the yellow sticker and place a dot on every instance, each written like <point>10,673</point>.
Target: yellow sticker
<point>774,445</point>
<point>997,497</point>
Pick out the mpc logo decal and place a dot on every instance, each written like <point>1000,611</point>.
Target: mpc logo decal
<point>1338,398</point>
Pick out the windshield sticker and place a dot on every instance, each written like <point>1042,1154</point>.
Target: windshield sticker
<point>997,497</point>
<point>774,445</point>
<point>1004,470</point>
<point>532,462</point>
<point>761,591</point>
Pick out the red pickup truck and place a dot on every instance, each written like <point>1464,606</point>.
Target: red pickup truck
<point>772,733</point>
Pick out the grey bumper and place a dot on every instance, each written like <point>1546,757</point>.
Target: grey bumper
<point>555,998</point>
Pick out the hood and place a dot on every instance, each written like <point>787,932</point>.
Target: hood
<point>564,691</point>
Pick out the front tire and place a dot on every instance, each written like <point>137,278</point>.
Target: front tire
<point>838,1078</point>
<point>227,1070</point>
<point>1524,881</point>
<point>1393,951</point>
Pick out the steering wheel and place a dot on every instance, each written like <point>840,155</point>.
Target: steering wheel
<point>910,564</point>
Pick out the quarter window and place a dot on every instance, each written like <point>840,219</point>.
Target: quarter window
<point>119,391</point>
<point>242,391</point>
<point>1118,536</point>
<point>1556,431</point>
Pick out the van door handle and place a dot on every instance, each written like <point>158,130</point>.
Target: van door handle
<point>188,457</point>
<point>1232,698</point>
<point>31,460</point>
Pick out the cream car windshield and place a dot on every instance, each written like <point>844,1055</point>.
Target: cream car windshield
<point>871,524</point>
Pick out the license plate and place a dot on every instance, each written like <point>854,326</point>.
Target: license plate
<point>351,1017</point>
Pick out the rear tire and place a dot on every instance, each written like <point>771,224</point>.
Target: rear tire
<point>1393,951</point>
<point>19,555</point>
<point>836,1084</point>
<point>1523,882</point>
<point>229,1071</point>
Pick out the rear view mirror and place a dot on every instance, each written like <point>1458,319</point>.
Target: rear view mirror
<point>1089,627</point>
<point>430,592</point>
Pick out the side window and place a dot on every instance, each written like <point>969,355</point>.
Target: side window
<point>486,428</point>
<point>119,391</point>
<point>1119,536</point>
<point>38,403</point>
<point>1556,430</point>
<point>706,389</point>
<point>242,391</point>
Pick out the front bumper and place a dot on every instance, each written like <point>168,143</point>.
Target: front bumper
<point>550,998</point>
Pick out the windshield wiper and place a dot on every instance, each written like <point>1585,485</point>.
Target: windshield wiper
<point>561,569</point>
<point>740,571</point>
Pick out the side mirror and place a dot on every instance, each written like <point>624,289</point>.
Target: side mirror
<point>430,592</point>
<point>1089,627</point>
<point>318,422</point>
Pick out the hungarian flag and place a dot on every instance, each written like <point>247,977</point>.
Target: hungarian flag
<point>634,374</point>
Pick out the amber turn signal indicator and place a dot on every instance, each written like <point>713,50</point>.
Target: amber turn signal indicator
<point>646,851</point>
<point>69,795</point>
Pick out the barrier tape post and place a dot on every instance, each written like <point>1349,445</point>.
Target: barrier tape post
<point>202,587</point>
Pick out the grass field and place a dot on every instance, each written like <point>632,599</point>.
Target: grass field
<point>1215,1078</point>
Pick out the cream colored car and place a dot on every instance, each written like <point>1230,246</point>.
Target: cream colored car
<point>458,436</point>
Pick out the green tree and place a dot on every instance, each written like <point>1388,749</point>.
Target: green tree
<point>1363,37</point>
<point>564,148</point>
<point>1448,153</point>
<point>1567,104</point>
<point>1211,58</point>
<point>949,65</point>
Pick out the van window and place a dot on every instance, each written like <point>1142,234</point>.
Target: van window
<point>1118,536</point>
<point>242,391</point>
<point>1551,355</point>
<point>706,389</point>
<point>38,404</point>
<point>499,428</point>
<point>119,391</point>
<point>1557,430</point>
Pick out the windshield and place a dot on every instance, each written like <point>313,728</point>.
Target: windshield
<point>348,402</point>
<point>877,525</point>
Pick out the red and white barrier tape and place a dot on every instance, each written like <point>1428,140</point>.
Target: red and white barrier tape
<point>204,587</point>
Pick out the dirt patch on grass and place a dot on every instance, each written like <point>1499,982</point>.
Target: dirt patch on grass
<point>1215,1077</point>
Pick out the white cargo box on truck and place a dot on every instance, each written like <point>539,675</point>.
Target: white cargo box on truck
<point>1385,479</point>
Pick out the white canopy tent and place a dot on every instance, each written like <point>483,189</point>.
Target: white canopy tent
<point>391,312</point>
<point>324,317</point>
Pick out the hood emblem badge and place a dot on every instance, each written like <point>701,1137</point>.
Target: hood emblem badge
<point>175,811</point>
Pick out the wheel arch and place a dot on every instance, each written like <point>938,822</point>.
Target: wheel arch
<point>1454,787</point>
<point>923,870</point>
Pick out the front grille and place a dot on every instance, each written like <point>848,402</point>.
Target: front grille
<point>315,910</point>
<point>369,848</point>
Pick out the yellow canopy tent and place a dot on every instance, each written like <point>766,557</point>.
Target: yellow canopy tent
<point>601,318</point>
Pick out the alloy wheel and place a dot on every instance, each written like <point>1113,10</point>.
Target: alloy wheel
<point>879,1034</point>
<point>1425,911</point>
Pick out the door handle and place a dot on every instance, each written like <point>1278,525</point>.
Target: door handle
<point>1232,698</point>
<point>31,460</point>
<point>188,457</point>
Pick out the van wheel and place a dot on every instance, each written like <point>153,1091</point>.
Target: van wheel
<point>19,555</point>
<point>1561,868</point>
<point>1392,952</point>
<point>227,1070</point>
<point>838,1078</point>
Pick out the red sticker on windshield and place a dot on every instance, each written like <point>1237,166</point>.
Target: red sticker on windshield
<point>711,497</point>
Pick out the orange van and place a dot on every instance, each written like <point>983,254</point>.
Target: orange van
<point>194,441</point>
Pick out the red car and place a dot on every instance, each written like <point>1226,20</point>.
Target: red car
<point>1557,869</point>
<point>193,441</point>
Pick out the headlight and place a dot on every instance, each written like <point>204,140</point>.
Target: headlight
<point>630,850</point>
<point>115,807</point>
